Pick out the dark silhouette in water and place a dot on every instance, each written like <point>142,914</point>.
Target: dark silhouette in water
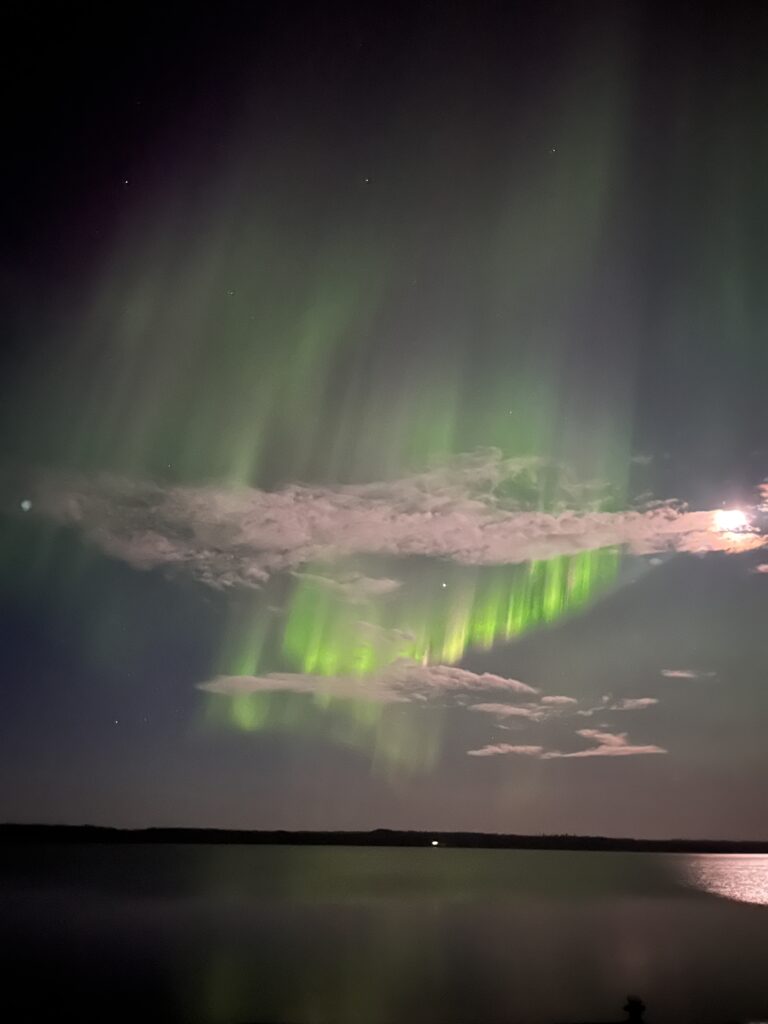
<point>634,1009</point>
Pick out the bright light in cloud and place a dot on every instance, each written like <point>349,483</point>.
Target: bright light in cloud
<point>730,520</point>
<point>228,537</point>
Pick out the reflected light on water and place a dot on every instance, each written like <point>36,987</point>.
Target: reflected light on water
<point>742,878</point>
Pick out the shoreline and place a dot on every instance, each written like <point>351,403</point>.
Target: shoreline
<point>12,834</point>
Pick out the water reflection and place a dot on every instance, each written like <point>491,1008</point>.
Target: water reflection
<point>322,935</point>
<point>739,877</point>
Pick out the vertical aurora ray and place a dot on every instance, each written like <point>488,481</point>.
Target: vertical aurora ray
<point>253,323</point>
<point>439,614</point>
<point>275,332</point>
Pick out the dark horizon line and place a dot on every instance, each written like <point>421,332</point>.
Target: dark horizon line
<point>17,832</point>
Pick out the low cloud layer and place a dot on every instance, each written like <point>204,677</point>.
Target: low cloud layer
<point>401,681</point>
<point>619,704</point>
<point>240,537</point>
<point>352,587</point>
<point>532,711</point>
<point>607,744</point>
<point>685,673</point>
<point>558,707</point>
<point>407,681</point>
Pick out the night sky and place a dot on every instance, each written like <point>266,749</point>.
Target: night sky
<point>376,378</point>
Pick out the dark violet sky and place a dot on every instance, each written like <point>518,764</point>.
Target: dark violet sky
<point>373,374</point>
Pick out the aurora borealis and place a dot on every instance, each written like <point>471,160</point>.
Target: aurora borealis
<point>383,388</point>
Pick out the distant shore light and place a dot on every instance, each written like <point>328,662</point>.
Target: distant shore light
<point>435,842</point>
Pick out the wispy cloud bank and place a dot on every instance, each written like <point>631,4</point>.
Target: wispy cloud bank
<point>633,704</point>
<point>535,711</point>
<point>401,681</point>
<point>493,750</point>
<point>685,673</point>
<point>620,704</point>
<point>607,745</point>
<point>239,537</point>
<point>352,587</point>
<point>532,711</point>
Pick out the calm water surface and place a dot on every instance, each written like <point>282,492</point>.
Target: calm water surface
<point>313,935</point>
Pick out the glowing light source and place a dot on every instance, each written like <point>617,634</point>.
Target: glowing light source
<point>730,520</point>
<point>435,842</point>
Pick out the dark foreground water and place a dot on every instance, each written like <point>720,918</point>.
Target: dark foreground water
<point>312,935</point>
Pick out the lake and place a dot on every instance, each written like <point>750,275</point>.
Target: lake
<point>308,935</point>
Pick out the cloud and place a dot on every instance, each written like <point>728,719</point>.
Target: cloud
<point>535,711</point>
<point>620,704</point>
<point>508,710</point>
<point>342,687</point>
<point>228,537</point>
<point>633,704</point>
<point>403,680</point>
<point>507,748</point>
<point>685,673</point>
<point>608,744</point>
<point>352,587</point>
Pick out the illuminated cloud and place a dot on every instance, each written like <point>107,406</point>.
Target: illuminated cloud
<point>508,710</point>
<point>685,673</point>
<point>607,745</point>
<point>507,748</point>
<point>239,537</point>
<point>633,704</point>
<point>353,587</point>
<point>620,704</point>
<point>401,681</point>
<point>545,707</point>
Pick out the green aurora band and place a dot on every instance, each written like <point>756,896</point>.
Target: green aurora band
<point>436,617</point>
<point>273,332</point>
